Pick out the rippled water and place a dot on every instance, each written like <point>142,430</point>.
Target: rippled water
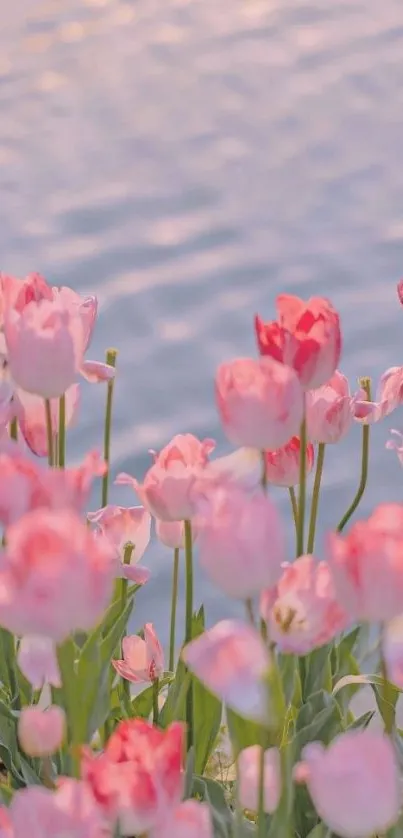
<point>186,160</point>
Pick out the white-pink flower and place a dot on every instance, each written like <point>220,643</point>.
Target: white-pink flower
<point>143,660</point>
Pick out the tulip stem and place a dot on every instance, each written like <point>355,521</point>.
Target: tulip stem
<point>156,688</point>
<point>388,694</point>
<point>111,356</point>
<point>294,506</point>
<point>302,489</point>
<point>188,622</point>
<point>174,601</point>
<point>249,611</point>
<point>264,472</point>
<point>315,497</point>
<point>49,430</point>
<point>366,385</point>
<point>62,431</point>
<point>129,547</point>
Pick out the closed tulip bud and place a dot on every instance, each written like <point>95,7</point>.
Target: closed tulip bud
<point>41,732</point>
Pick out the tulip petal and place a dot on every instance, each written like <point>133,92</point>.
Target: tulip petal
<point>97,372</point>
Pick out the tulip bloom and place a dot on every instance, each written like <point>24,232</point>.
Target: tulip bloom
<point>283,464</point>
<point>138,779</point>
<point>389,396</point>
<point>233,662</point>
<point>354,783</point>
<point>392,649</point>
<point>37,660</point>
<point>330,410</point>
<point>45,346</point>
<point>126,525</point>
<point>167,488</point>
<point>70,810</point>
<point>306,337</point>
<point>260,402</point>
<point>302,612</point>
<point>143,660</point>
<point>41,732</point>
<point>367,565</point>
<point>241,540</point>
<point>249,773</point>
<point>55,577</point>
<point>171,533</point>
<point>190,820</point>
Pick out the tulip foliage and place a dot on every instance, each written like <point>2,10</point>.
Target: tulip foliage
<point>245,728</point>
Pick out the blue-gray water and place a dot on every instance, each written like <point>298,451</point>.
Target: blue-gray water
<point>185,160</point>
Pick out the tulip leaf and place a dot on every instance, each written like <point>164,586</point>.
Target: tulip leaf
<point>386,693</point>
<point>319,831</point>
<point>8,671</point>
<point>142,704</point>
<point>317,673</point>
<point>207,723</point>
<point>68,694</point>
<point>320,718</point>
<point>244,732</point>
<point>362,722</point>
<point>291,680</point>
<point>213,793</point>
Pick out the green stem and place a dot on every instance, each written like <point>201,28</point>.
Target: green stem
<point>49,430</point>
<point>14,429</point>
<point>249,612</point>
<point>388,694</point>
<point>62,431</point>
<point>188,622</point>
<point>156,687</point>
<point>366,385</point>
<point>294,506</point>
<point>111,356</point>
<point>261,816</point>
<point>124,582</point>
<point>264,472</point>
<point>315,497</point>
<point>302,490</point>
<point>174,601</point>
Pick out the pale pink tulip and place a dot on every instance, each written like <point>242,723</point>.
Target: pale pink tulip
<point>167,487</point>
<point>243,466</point>
<point>138,778</point>
<point>45,345</point>
<point>37,660</point>
<point>41,732</point>
<point>55,577</point>
<point>126,525</point>
<point>68,812</point>
<point>367,565</point>
<point>233,662</point>
<point>241,540</point>
<point>330,410</point>
<point>171,533</point>
<point>306,337</point>
<point>143,660</point>
<point>303,613</point>
<point>260,402</point>
<point>191,819</point>
<point>400,291</point>
<point>96,372</point>
<point>249,775</point>
<point>32,417</point>
<point>389,396</point>
<point>354,783</point>
<point>392,648</point>
<point>283,464</point>
<point>396,445</point>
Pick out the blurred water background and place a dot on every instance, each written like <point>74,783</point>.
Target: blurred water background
<point>185,160</point>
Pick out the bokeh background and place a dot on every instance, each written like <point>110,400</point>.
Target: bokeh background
<point>186,160</point>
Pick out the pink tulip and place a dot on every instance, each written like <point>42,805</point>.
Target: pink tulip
<point>126,525</point>
<point>392,649</point>
<point>249,774</point>
<point>68,812</point>
<point>41,732</point>
<point>45,345</point>
<point>233,662</point>
<point>32,417</point>
<point>367,565</point>
<point>389,396</point>
<point>167,488</point>
<point>260,402</point>
<point>171,533</point>
<point>138,778</point>
<point>306,337</point>
<point>283,464</point>
<point>330,410</point>
<point>55,577</point>
<point>354,783</point>
<point>303,613</point>
<point>143,660</point>
<point>241,540</point>
<point>37,660</point>
<point>396,445</point>
<point>191,819</point>
<point>96,372</point>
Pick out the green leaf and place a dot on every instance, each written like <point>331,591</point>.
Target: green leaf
<point>317,672</point>
<point>6,794</point>
<point>243,732</point>
<point>319,831</point>
<point>175,704</point>
<point>142,704</point>
<point>8,671</point>
<point>362,722</point>
<point>208,717</point>
<point>213,793</point>
<point>290,676</point>
<point>190,766</point>
<point>30,776</point>
<point>319,719</point>
<point>69,695</point>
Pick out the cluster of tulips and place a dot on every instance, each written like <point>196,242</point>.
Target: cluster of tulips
<point>241,729</point>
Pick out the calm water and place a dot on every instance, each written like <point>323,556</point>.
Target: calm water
<point>186,160</point>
